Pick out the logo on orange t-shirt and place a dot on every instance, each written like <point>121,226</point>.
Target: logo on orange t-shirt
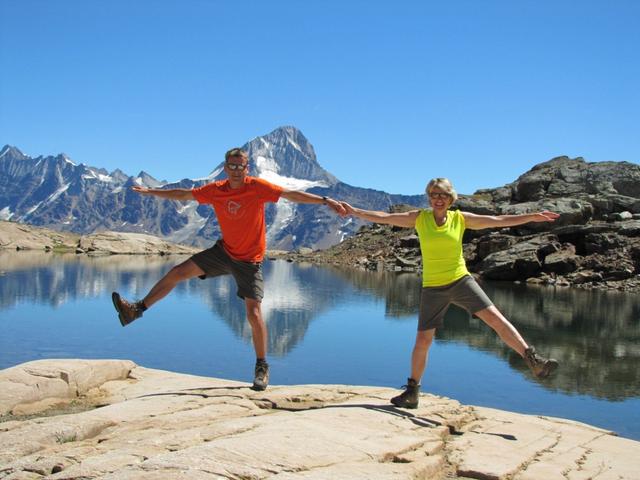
<point>234,209</point>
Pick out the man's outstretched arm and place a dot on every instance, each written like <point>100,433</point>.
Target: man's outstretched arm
<point>402,219</point>
<point>181,194</point>
<point>304,197</point>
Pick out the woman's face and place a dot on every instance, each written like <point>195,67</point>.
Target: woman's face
<point>439,199</point>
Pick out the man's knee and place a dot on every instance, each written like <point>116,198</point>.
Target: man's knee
<point>184,271</point>
<point>254,313</point>
<point>424,339</point>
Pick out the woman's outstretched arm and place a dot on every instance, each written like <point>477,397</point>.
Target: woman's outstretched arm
<point>478,222</point>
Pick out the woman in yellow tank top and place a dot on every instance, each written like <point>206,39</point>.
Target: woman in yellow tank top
<point>446,280</point>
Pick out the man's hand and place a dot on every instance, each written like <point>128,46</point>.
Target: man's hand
<point>348,208</point>
<point>336,206</point>
<point>142,190</point>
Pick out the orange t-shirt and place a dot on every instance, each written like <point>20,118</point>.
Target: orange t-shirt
<point>240,213</point>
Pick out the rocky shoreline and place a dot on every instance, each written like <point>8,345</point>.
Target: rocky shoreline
<point>19,236</point>
<point>595,244</point>
<point>597,255</point>
<point>112,419</point>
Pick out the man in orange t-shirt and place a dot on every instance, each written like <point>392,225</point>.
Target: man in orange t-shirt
<point>239,205</point>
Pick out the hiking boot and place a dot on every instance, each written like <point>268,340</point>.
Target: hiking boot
<point>261,379</point>
<point>127,312</point>
<point>540,366</point>
<point>408,398</point>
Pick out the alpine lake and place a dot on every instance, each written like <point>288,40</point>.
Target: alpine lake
<point>330,326</point>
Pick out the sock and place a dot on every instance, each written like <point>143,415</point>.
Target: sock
<point>142,306</point>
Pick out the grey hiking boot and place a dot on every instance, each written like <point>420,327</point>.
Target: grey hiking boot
<point>261,379</point>
<point>127,312</point>
<point>540,366</point>
<point>409,398</point>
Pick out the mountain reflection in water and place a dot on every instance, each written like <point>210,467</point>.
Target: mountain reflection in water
<point>595,335</point>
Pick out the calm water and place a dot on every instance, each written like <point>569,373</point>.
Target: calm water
<point>330,326</point>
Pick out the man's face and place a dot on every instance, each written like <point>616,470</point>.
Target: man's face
<point>236,168</point>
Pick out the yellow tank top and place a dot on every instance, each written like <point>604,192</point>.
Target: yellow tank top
<point>441,247</point>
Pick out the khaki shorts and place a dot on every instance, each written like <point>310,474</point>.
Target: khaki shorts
<point>215,261</point>
<point>434,301</point>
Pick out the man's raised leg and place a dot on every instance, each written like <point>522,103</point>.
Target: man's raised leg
<point>128,311</point>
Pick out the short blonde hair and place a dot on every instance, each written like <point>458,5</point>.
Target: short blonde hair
<point>443,184</point>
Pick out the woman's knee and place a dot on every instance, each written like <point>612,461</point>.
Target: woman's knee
<point>492,317</point>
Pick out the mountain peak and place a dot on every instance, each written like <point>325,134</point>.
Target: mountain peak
<point>286,152</point>
<point>147,180</point>
<point>13,152</point>
<point>292,136</point>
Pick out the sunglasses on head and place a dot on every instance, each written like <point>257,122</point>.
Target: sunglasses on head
<point>236,166</point>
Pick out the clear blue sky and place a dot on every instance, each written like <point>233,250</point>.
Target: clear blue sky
<point>389,93</point>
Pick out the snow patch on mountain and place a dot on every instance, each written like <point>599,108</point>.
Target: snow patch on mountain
<point>342,233</point>
<point>285,212</point>
<point>291,183</point>
<point>294,144</point>
<point>268,169</point>
<point>31,210</point>
<point>57,193</point>
<point>91,174</point>
<point>194,224</point>
<point>6,213</point>
<point>266,165</point>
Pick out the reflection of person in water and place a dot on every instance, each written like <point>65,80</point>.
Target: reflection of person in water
<point>238,202</point>
<point>446,280</point>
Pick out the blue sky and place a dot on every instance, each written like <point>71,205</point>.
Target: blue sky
<point>390,94</point>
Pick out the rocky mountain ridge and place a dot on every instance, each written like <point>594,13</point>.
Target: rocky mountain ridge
<point>57,193</point>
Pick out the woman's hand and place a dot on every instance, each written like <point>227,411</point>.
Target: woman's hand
<point>544,216</point>
<point>348,208</point>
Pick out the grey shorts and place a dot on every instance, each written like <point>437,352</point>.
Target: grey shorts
<point>215,261</point>
<point>434,301</point>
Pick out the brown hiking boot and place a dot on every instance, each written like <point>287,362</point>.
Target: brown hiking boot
<point>409,398</point>
<point>540,366</point>
<point>261,379</point>
<point>127,312</point>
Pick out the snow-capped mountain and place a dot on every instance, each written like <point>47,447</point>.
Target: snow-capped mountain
<point>55,192</point>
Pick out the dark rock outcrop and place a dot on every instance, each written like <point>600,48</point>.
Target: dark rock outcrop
<point>594,244</point>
